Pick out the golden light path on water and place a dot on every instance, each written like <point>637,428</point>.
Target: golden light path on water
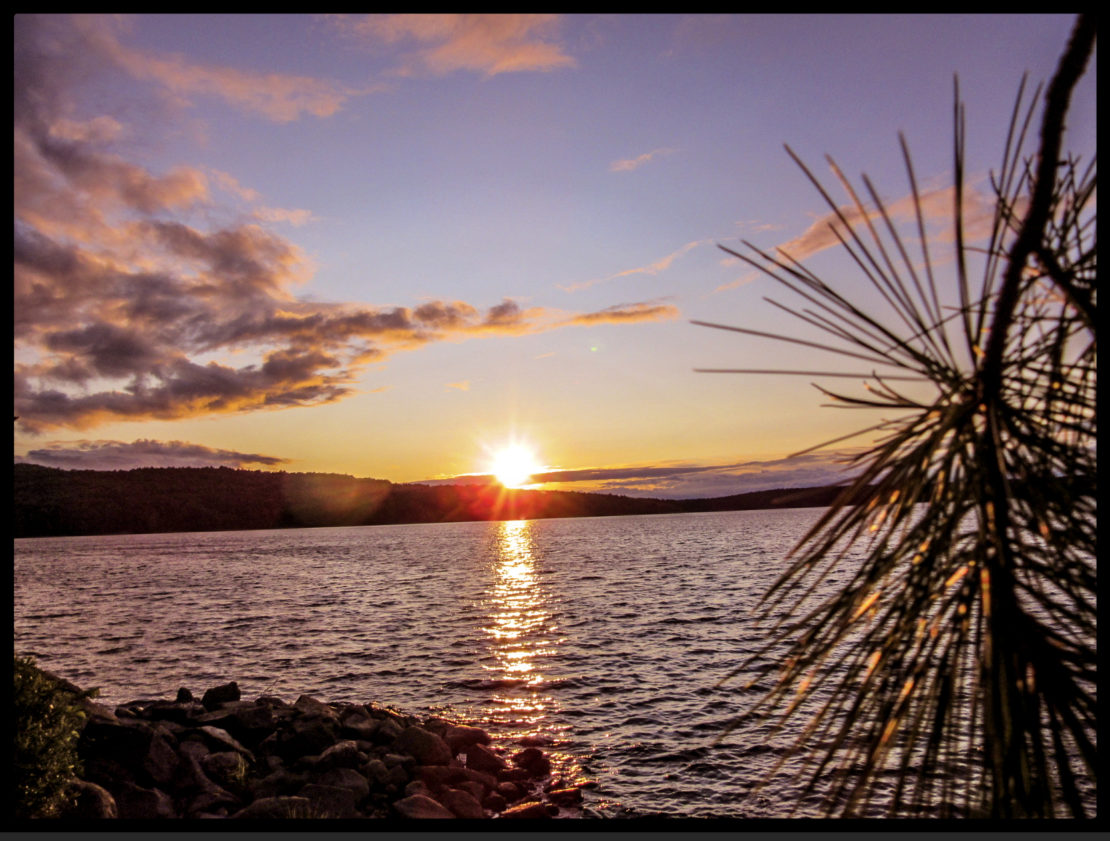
<point>522,636</point>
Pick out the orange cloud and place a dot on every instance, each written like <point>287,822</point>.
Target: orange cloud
<point>485,43</point>
<point>629,164</point>
<point>660,265</point>
<point>276,96</point>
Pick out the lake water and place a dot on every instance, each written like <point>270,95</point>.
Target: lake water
<point>602,639</point>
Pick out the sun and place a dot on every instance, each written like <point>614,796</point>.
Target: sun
<point>514,464</point>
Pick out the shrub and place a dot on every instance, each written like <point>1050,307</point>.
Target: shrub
<point>47,721</point>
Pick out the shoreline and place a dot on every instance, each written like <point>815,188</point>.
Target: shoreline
<point>222,757</point>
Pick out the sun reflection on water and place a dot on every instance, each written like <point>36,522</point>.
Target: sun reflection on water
<point>523,637</point>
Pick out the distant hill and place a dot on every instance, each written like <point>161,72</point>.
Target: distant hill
<point>54,502</point>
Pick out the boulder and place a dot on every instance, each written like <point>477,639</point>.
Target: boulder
<point>530,810</point>
<point>425,747</point>
<point>330,801</point>
<point>534,761</point>
<point>460,737</point>
<point>486,761</point>
<point>343,754</point>
<point>419,807</point>
<point>139,803</point>
<point>276,807</point>
<point>347,778</point>
<point>461,803</point>
<point>220,694</point>
<point>90,802</point>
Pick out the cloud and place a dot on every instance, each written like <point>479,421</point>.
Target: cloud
<point>689,481</point>
<point>134,300</point>
<point>461,385</point>
<point>276,96</point>
<point>118,455</point>
<point>936,207</point>
<point>627,313</point>
<point>486,43</point>
<point>686,480</point>
<point>651,269</point>
<point>629,164</point>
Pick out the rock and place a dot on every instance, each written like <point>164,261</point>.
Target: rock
<point>359,726</point>
<point>510,791</point>
<point>376,770</point>
<point>276,807</point>
<point>494,802</point>
<point>419,807</point>
<point>139,803</point>
<point>528,810</point>
<point>308,705</point>
<point>534,761</point>
<point>481,759</point>
<point>461,803</point>
<point>220,739</point>
<point>347,778</point>
<point>226,768</point>
<point>425,747</point>
<point>388,731</point>
<point>343,754</point>
<point>565,796</point>
<point>330,801</point>
<point>308,737</point>
<point>90,802</point>
<point>161,762</point>
<point>184,696</point>
<point>460,737</point>
<point>220,694</point>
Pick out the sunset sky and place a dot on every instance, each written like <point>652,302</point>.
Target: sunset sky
<point>389,245</point>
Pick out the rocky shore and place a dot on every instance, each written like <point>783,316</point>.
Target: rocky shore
<point>220,756</point>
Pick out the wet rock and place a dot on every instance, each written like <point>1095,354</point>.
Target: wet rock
<point>534,761</point>
<point>461,803</point>
<point>527,811</point>
<point>481,759</point>
<point>460,737</point>
<point>184,696</point>
<point>494,802</point>
<point>565,796</point>
<point>426,747</point>
<point>220,694</point>
<point>420,807</point>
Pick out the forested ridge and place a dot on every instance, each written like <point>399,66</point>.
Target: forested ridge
<point>54,502</point>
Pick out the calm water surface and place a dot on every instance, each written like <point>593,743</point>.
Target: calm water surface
<point>602,639</point>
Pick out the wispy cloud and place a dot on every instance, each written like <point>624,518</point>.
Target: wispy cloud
<point>657,267</point>
<point>461,385</point>
<point>936,206</point>
<point>485,43</point>
<point>277,96</point>
<point>687,480</point>
<point>691,480</point>
<point>629,164</point>
<point>118,455</point>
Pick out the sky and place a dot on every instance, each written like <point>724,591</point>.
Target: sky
<point>391,245</point>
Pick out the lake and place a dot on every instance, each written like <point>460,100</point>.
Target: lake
<point>604,640</point>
